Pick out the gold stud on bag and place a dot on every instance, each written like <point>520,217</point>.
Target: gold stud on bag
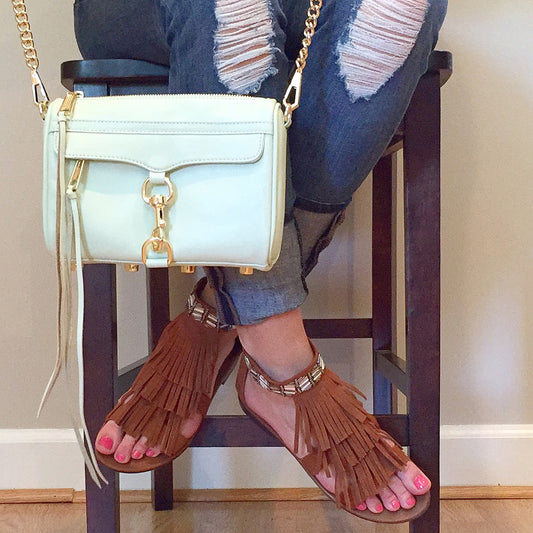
<point>209,168</point>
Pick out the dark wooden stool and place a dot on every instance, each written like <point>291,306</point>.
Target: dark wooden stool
<point>419,136</point>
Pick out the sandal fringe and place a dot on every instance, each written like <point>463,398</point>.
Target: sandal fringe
<point>339,434</point>
<point>334,431</point>
<point>175,383</point>
<point>170,389</point>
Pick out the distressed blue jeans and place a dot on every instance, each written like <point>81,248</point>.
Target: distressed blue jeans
<point>364,63</point>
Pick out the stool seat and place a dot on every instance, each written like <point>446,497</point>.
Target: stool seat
<point>133,71</point>
<point>419,137</point>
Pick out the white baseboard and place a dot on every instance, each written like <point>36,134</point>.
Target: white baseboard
<point>40,459</point>
<point>487,455</point>
<point>470,455</point>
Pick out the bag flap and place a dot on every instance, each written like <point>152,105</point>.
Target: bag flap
<point>165,132</point>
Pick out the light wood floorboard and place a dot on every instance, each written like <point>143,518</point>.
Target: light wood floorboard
<point>458,516</point>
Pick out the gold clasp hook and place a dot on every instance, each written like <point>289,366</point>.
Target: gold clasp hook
<point>157,242</point>
<point>40,96</point>
<point>291,100</point>
<point>160,198</point>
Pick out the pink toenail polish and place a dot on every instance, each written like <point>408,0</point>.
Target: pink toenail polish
<point>106,442</point>
<point>421,482</point>
<point>150,453</point>
<point>410,502</point>
<point>120,458</point>
<point>362,507</point>
<point>395,505</point>
<point>379,508</point>
<point>136,454</point>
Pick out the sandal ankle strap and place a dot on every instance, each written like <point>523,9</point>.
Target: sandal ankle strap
<point>301,383</point>
<point>199,310</point>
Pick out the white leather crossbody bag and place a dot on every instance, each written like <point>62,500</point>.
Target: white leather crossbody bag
<point>166,179</point>
<point>161,180</point>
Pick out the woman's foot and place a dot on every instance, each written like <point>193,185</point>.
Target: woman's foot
<point>192,353</point>
<point>111,440</point>
<point>279,412</point>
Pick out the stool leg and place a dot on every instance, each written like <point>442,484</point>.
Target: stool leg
<point>158,318</point>
<point>382,276</point>
<point>422,256</point>
<point>100,369</point>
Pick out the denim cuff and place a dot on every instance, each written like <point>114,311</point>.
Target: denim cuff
<point>319,207</point>
<point>243,300</point>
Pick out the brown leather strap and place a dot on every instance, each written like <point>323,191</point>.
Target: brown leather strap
<point>302,382</point>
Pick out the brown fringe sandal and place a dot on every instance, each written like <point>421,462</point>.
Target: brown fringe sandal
<point>337,432</point>
<point>176,382</point>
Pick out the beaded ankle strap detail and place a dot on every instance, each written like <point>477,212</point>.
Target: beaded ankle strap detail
<point>201,312</point>
<point>300,384</point>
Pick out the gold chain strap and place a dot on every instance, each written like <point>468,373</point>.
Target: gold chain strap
<point>310,27</point>
<point>291,100</point>
<point>26,36</point>
<point>40,97</point>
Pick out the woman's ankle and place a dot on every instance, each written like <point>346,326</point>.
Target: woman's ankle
<point>208,295</point>
<point>279,345</point>
<point>295,363</point>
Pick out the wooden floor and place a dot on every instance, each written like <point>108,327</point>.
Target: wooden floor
<point>458,516</point>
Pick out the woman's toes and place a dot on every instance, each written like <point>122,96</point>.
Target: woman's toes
<point>139,449</point>
<point>410,503</point>
<point>406,499</point>
<point>422,483</point>
<point>328,483</point>
<point>105,444</point>
<point>108,438</point>
<point>414,479</point>
<point>124,449</point>
<point>374,504</point>
<point>389,499</point>
<point>190,426</point>
<point>153,451</point>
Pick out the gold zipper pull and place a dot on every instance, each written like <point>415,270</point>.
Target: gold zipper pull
<point>67,106</point>
<point>72,187</point>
